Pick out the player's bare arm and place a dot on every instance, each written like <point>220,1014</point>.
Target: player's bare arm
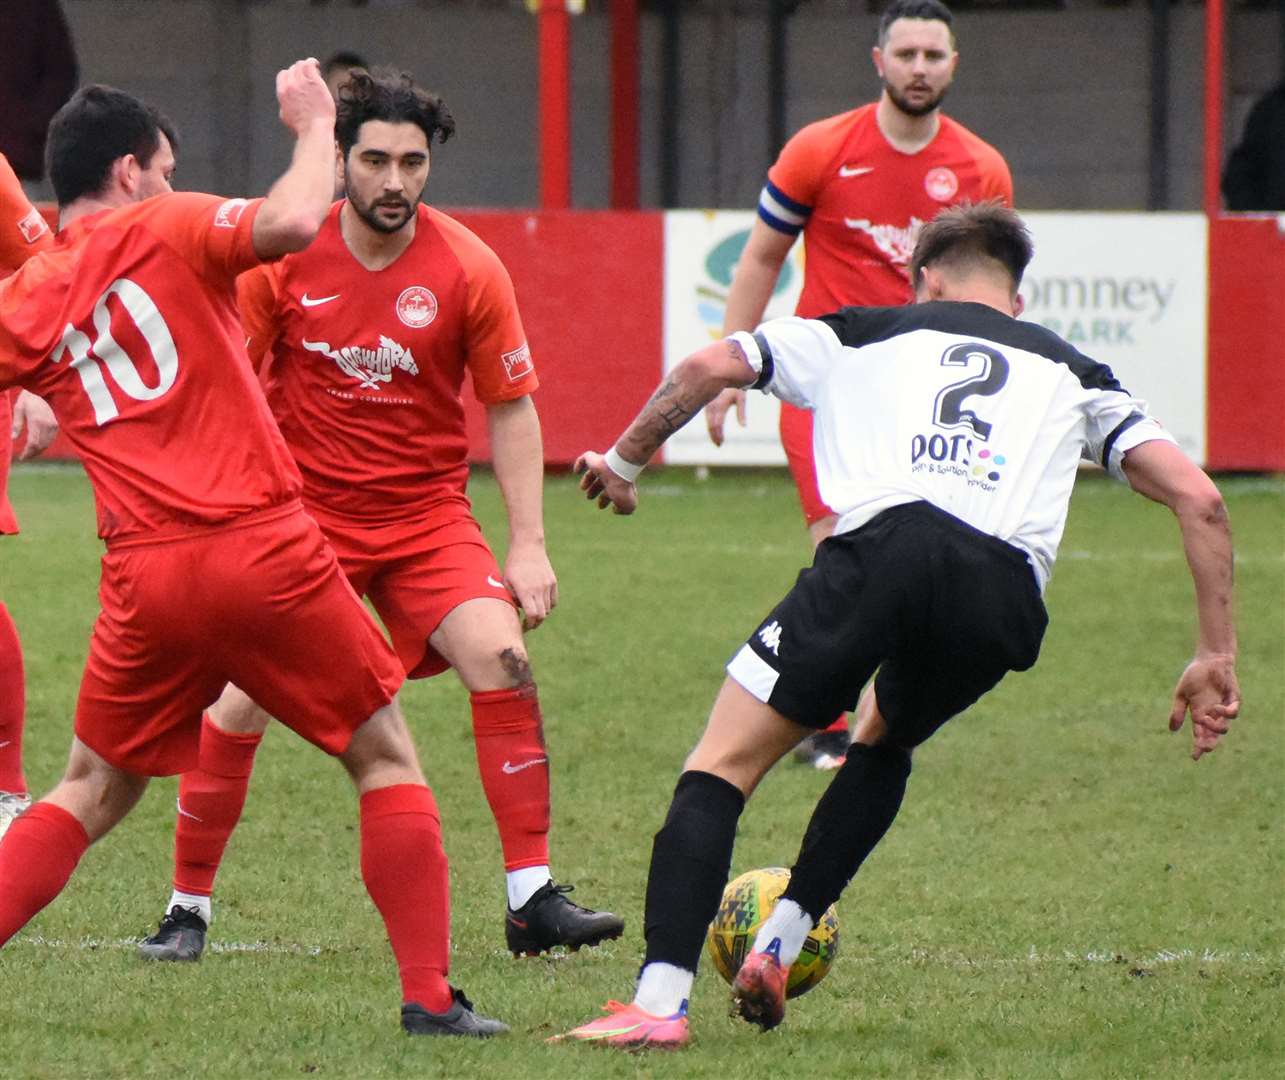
<point>1208,689</point>
<point>33,414</point>
<point>298,202</point>
<point>517,456</point>
<point>752,284</point>
<point>686,390</point>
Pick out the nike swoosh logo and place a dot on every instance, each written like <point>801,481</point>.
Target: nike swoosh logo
<point>308,301</point>
<point>491,581</point>
<point>5,743</point>
<point>848,171</point>
<point>511,769</point>
<point>184,813</point>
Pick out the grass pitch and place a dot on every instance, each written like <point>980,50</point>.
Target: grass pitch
<point>1065,893</point>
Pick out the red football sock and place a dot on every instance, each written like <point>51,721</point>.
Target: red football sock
<point>210,799</point>
<point>841,724</point>
<point>37,856</point>
<point>404,867</point>
<point>514,764</point>
<point>12,704</point>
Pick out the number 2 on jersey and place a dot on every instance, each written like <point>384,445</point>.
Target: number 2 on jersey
<point>948,410</point>
<point>108,353</point>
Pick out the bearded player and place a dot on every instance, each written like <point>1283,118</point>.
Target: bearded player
<point>859,186</point>
<point>213,573</point>
<point>23,233</point>
<point>364,340</point>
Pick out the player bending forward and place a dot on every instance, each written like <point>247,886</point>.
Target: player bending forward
<point>213,572</point>
<point>948,436</point>
<point>364,339</point>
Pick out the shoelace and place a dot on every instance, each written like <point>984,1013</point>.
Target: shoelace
<point>562,890</point>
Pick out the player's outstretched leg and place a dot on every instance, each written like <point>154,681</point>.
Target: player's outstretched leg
<point>690,859</point>
<point>40,851</point>
<point>850,819</point>
<point>13,784</point>
<point>404,869</point>
<point>210,800</point>
<point>482,640</point>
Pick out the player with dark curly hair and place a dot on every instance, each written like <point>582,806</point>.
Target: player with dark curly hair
<point>364,340</point>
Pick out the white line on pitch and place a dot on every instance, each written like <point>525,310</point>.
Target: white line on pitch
<point>942,958</point>
<point>90,944</point>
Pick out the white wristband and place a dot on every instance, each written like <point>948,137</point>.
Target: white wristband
<point>626,470</point>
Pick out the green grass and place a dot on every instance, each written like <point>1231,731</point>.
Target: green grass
<point>1065,893</point>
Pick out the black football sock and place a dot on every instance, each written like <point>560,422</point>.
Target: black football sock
<point>690,860</point>
<point>854,813</point>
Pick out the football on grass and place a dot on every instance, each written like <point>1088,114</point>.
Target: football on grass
<point>747,902</point>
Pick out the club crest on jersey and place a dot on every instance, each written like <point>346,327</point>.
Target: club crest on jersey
<point>896,243</point>
<point>370,367</point>
<point>941,184</point>
<point>416,307</point>
<point>517,363</point>
<point>33,226</point>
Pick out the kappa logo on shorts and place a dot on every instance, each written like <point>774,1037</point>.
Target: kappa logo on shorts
<point>370,367</point>
<point>229,213</point>
<point>941,184</point>
<point>517,362</point>
<point>33,226</point>
<point>770,635</point>
<point>417,307</point>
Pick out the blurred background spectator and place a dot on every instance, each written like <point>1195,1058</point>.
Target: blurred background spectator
<point>37,74</point>
<point>1255,175</point>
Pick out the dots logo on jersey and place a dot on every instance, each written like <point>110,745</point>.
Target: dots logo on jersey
<point>941,184</point>
<point>416,307</point>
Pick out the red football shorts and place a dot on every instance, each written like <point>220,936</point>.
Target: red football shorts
<point>416,572</point>
<point>8,523</point>
<point>796,440</point>
<point>260,603</point>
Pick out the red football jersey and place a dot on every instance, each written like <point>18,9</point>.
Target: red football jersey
<point>860,203</point>
<point>23,233</point>
<point>363,369</point>
<point>129,329</point>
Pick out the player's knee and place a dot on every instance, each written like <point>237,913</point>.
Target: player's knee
<point>236,712</point>
<point>382,752</point>
<point>512,668</point>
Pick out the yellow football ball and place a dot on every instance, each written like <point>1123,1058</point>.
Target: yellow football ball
<point>747,902</point>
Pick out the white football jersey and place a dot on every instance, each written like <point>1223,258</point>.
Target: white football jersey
<point>957,404</point>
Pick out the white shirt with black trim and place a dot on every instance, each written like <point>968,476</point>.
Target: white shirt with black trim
<point>957,404</point>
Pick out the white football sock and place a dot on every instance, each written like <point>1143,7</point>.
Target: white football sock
<point>662,989</point>
<point>791,924</point>
<point>524,883</point>
<point>200,904</point>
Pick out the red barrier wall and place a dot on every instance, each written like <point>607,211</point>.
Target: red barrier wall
<point>1245,403</point>
<point>590,289</point>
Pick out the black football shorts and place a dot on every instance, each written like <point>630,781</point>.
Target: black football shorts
<point>940,609</point>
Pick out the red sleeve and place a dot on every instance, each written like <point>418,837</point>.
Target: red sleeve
<point>800,169</point>
<point>997,182</point>
<point>23,232</point>
<point>498,357</point>
<point>256,298</point>
<point>14,366</point>
<point>214,235</point>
